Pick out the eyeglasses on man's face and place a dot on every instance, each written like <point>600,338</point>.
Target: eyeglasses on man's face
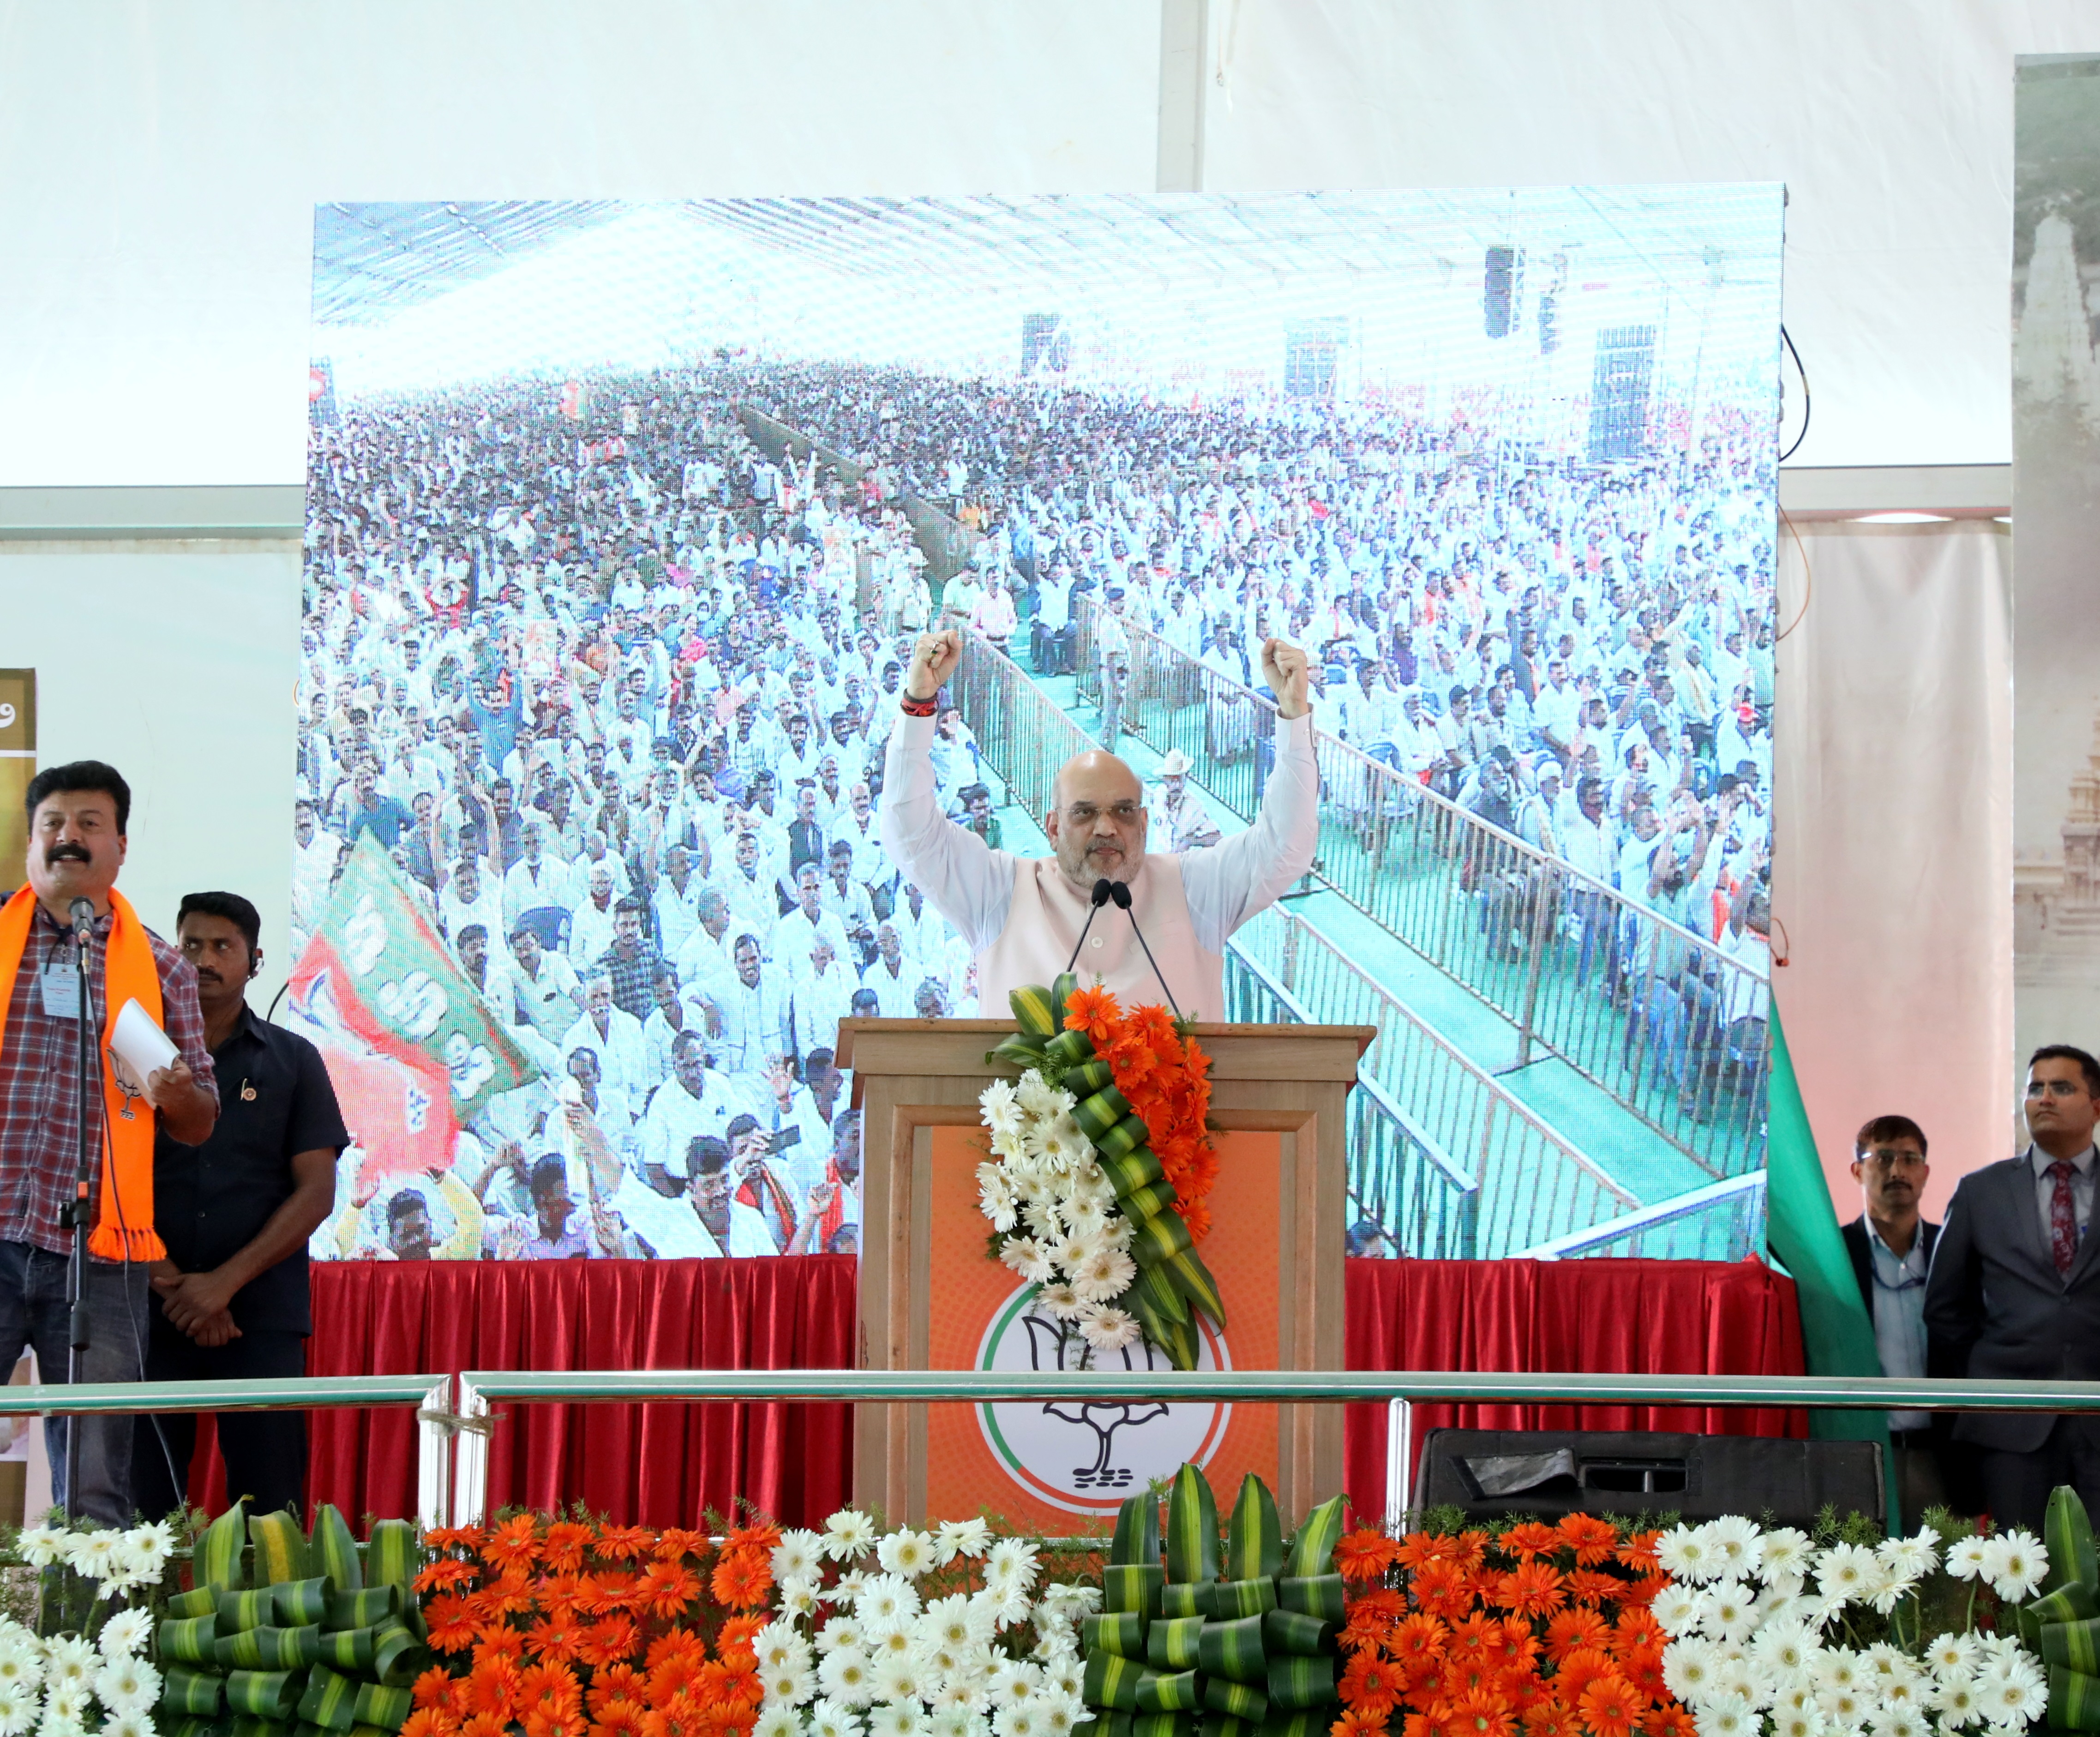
<point>1889,1157</point>
<point>1085,814</point>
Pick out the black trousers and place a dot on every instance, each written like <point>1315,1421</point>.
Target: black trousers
<point>2017,1486</point>
<point>265,1452</point>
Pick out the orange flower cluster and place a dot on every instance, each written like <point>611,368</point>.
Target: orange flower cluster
<point>1544,1631</point>
<point>559,1628</point>
<point>1167,1077</point>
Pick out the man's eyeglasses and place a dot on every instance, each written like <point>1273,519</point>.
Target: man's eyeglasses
<point>1085,814</point>
<point>1887,1158</point>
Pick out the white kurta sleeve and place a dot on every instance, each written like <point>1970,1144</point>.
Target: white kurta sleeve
<point>1231,880</point>
<point>967,882</point>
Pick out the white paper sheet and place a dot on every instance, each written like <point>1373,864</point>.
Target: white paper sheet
<point>139,1044</point>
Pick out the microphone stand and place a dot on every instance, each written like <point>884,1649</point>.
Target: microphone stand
<point>1120,892</point>
<point>76,1216</point>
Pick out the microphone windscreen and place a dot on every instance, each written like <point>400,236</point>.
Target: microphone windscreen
<point>1101,892</point>
<point>1121,893</point>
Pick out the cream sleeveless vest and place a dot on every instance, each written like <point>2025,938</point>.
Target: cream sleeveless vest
<point>1045,919</point>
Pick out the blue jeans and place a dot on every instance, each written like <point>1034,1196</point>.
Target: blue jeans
<point>33,1313</point>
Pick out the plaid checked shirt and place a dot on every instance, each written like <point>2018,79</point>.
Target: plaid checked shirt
<point>40,1075</point>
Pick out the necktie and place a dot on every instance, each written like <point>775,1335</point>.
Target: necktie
<point>2062,1218</point>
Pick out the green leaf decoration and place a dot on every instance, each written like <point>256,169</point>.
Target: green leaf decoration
<point>1320,1595</point>
<point>350,1650</point>
<point>1034,1013</point>
<point>1132,1588</point>
<point>218,1561</point>
<point>199,1601</point>
<point>281,1547</point>
<point>1159,1294</point>
<point>1236,1700</point>
<point>1127,1136</point>
<point>330,1700</point>
<point>1089,1077</point>
<point>394,1558</point>
<point>238,1610</point>
<point>1172,1644</point>
<point>1192,1527</point>
<point>1121,1632</point>
<point>1111,1681</point>
<point>1180,1692</point>
<point>2075,1644</point>
<point>1293,1631</point>
<point>1296,1682</point>
<point>2070,1603</point>
<point>189,1640</point>
<point>1313,1549</point>
<point>264,1695</point>
<point>1233,1599</point>
<point>1136,1539</point>
<point>189,1693</point>
<point>363,1609</point>
<point>1233,1650</point>
<point>2073,1699</point>
<point>388,1708</point>
<point>333,1550</point>
<point>2067,1531</point>
<point>1254,1540</point>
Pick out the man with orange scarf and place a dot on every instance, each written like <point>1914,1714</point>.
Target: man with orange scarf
<point>78,815</point>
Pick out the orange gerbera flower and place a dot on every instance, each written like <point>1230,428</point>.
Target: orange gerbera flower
<point>492,1686</point>
<point>549,1684</point>
<point>675,1643</point>
<point>1359,1722</point>
<point>1513,1645</point>
<point>763,1536</point>
<point>1524,1689</point>
<point>1417,1549</point>
<point>1364,1554</point>
<point>1642,1667</point>
<point>677,1541</point>
<point>429,1722</point>
<point>607,1642</point>
<point>1643,1591</point>
<point>1668,1720</point>
<point>1528,1539</point>
<point>1093,1011</point>
<point>514,1543</point>
<point>557,1639</point>
<point>1581,1668</point>
<point>563,1547</point>
<point>1472,1550</point>
<point>1483,1714</point>
<point>618,1543</point>
<point>606,1592</point>
<point>451,1623</point>
<point>434,1688</point>
<point>741,1580</point>
<point>1442,1588</point>
<point>497,1640</point>
<point>1551,1717</point>
<point>1636,1626</point>
<point>667,1588</point>
<point>1610,1705</point>
<point>1591,1587</point>
<point>738,1632</point>
<point>483,1725</point>
<point>619,1717</point>
<point>1573,1628</point>
<point>448,1570</point>
<point>1472,1636</point>
<point>615,1682</point>
<point>1428,1681</point>
<point>556,1721</point>
<point>1638,1553</point>
<point>670,1679</point>
<point>1592,1539</point>
<point>1532,1588</point>
<point>1372,1683</point>
<point>453,1538</point>
<point>1417,1637</point>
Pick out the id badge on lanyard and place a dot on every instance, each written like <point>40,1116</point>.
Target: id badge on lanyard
<point>60,982</point>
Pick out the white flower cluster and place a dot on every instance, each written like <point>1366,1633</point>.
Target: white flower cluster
<point>1046,1193</point>
<point>1747,1643</point>
<point>54,1687</point>
<point>121,1562</point>
<point>869,1655</point>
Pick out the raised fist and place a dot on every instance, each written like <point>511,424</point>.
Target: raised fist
<point>1284,668</point>
<point>933,660</point>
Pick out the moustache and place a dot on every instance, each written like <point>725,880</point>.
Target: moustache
<point>67,853</point>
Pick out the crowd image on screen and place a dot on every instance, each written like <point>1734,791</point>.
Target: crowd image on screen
<point>609,672</point>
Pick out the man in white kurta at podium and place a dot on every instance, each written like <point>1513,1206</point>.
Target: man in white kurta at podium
<point>1022,915</point>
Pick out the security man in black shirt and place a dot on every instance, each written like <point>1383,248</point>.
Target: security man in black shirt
<point>236,1214</point>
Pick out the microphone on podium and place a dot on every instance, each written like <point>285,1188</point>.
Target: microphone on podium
<point>1121,893</point>
<point>1102,892</point>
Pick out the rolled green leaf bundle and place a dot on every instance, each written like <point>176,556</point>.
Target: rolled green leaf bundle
<point>1233,1650</point>
<point>1100,1112</point>
<point>1159,1691</point>
<point>1171,1646</point>
<point>396,1654</point>
<point>1296,1682</point>
<point>1253,1537</point>
<point>1162,1725</point>
<point>1281,1724</point>
<point>1016,1052</point>
<point>333,1551</point>
<point>1127,1136</point>
<point>199,1601</point>
<point>387,1709</point>
<point>1312,1552</point>
<point>281,1547</point>
<point>1111,1682</point>
<point>1322,1595</point>
<point>1149,1202</point>
<point>1223,1725</point>
<point>1182,1599</point>
<point>1192,1527</point>
<point>193,1727</point>
<point>300,1604</point>
<point>191,1693</point>
<point>2073,1699</point>
<point>1236,1700</point>
<point>365,1609</point>
<point>1232,1598</point>
<point>1034,1012</point>
<point>217,1563</point>
<point>270,1649</point>
<point>330,1700</point>
<point>2068,1534</point>
<point>393,1557</point>
<point>1089,1077</point>
<point>264,1694</point>
<point>2072,1601</point>
<point>1119,1632</point>
<point>246,1610</point>
<point>1128,1171</point>
<point>346,1650</point>
<point>1133,1586</point>
<point>1068,1048</point>
<point>1293,1631</point>
<point>190,1640</point>
<point>249,1725</point>
<point>304,1730</point>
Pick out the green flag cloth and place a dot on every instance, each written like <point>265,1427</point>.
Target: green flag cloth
<point>1836,1333</point>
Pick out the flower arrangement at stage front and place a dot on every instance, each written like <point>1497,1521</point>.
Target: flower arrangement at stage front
<point>565,1628</point>
<point>1101,1164</point>
<point>942,1634</point>
<point>88,1669</point>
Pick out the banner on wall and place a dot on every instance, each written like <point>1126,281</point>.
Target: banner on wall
<point>2056,508</point>
<point>17,769</point>
<point>615,558</point>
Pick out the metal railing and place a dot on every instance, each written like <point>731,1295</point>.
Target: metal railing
<point>1724,1220</point>
<point>1527,1182</point>
<point>430,1394</point>
<point>1022,734</point>
<point>1665,1020</point>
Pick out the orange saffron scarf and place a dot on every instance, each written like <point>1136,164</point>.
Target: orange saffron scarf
<point>122,1231</point>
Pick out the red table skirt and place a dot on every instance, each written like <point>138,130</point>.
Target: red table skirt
<point>1618,1317</point>
<point>667,1464</point>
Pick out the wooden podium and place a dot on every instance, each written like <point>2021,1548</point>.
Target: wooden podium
<point>931,1296</point>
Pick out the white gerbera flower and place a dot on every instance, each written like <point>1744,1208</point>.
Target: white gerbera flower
<point>1685,1553</point>
<point>1064,1303</point>
<point>1728,1717</point>
<point>1731,1612</point>
<point>995,1197</point>
<point>847,1676</point>
<point>1850,1570</point>
<point>1951,1656</point>
<point>955,1720</point>
<point>1798,1722</point>
<point>1737,1546</point>
<point>780,1647</point>
<point>1110,1329</point>
<point>1965,1557</point>
<point>128,1725</point>
<point>18,1709</point>
<point>886,1598</point>
<point>147,1548</point>
<point>1088,1217</point>
<point>831,1718</point>
<point>2009,1696</point>
<point>1836,1668</point>
<point>124,1633</point>
<point>799,1555</point>
<point>1687,1669</point>
<point>897,1719</point>
<point>1024,1256</point>
<point>841,1631</point>
<point>40,1546</point>
<point>20,1668</point>
<point>847,1534</point>
<point>1065,1599</point>
<point>1783,1649</point>
<point>961,1538</point>
<point>891,1640</point>
<point>1786,1551</point>
<point>906,1554</point>
<point>2014,1563</point>
<point>1022,1719</point>
<point>847,1587</point>
<point>998,1108</point>
<point>1059,1714</point>
<point>1913,1557</point>
<point>1104,1275</point>
<point>1011,1563</point>
<point>798,1597</point>
<point>954,1622</point>
<point>1843,1708</point>
<point>901,1678</point>
<point>1678,1610</point>
<point>1901,1721</point>
<point>96,1555</point>
<point>127,1684</point>
<point>778,1719</point>
<point>1955,1701</point>
<point>70,1660</point>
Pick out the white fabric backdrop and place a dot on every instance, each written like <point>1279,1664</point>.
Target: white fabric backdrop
<point>1892,869</point>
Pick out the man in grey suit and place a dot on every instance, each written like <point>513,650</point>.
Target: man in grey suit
<point>2015,1291</point>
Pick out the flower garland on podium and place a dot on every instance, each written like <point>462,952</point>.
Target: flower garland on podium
<point>1101,1164</point>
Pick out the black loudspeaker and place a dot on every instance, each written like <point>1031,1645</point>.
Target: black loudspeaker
<point>1618,392</point>
<point>1545,1473</point>
<point>1504,285</point>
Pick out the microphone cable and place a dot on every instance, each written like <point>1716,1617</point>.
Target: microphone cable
<point>1120,892</point>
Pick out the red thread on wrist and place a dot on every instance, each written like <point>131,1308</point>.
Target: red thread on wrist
<point>912,708</point>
